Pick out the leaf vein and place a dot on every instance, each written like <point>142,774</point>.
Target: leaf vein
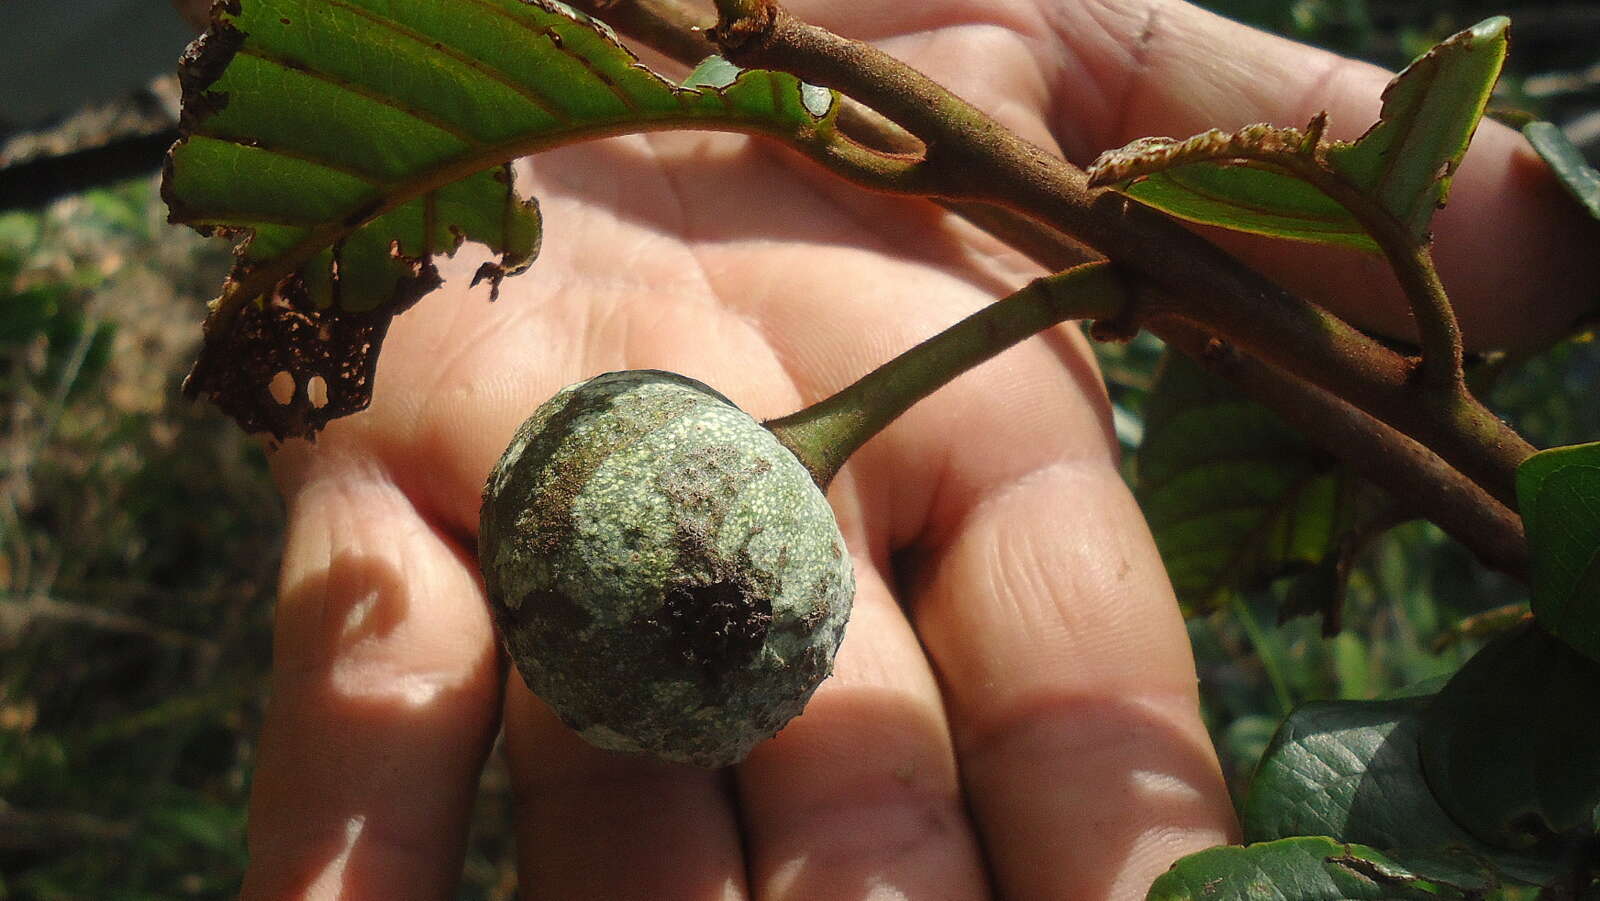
<point>364,92</point>
<point>549,31</point>
<point>429,43</point>
<point>255,144</point>
<point>1335,224</point>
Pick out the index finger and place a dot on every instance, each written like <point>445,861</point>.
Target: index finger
<point>1062,657</point>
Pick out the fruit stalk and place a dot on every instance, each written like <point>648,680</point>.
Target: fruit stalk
<point>826,433</point>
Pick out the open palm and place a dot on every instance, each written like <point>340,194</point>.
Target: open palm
<point>1013,711</point>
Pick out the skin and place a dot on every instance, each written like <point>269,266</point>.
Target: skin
<point>1014,712</point>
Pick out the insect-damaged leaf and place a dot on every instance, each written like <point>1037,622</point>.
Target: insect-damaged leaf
<point>1314,868</point>
<point>347,142</point>
<point>1430,112</point>
<point>1262,179</point>
<point>1230,180</point>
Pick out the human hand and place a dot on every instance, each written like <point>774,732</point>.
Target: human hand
<point>1014,709</point>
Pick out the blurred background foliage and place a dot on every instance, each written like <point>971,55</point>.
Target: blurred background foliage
<point>139,533</point>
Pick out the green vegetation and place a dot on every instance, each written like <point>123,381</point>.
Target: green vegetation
<point>139,536</point>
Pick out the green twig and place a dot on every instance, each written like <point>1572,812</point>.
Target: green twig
<point>1438,332</point>
<point>826,433</point>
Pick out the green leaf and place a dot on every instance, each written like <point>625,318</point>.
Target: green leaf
<point>1558,491</point>
<point>1511,745</point>
<point>1252,199</point>
<point>1430,112</point>
<point>1353,769</point>
<point>1241,181</point>
<point>1568,163</point>
<point>346,143</point>
<point>1234,496</point>
<point>1315,868</point>
<point>1282,181</point>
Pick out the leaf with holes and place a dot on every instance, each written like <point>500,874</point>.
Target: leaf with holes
<point>1235,497</point>
<point>1290,184</point>
<point>345,143</point>
<point>1314,868</point>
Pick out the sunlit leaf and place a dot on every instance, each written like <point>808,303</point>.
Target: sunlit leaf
<point>1558,492</point>
<point>1430,112</point>
<point>1315,868</point>
<point>1568,163</point>
<point>1254,199</point>
<point>347,142</point>
<point>1233,181</point>
<point>1278,181</point>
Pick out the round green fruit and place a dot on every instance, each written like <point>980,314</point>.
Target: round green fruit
<point>663,572</point>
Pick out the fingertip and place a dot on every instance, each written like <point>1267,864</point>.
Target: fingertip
<point>1071,688</point>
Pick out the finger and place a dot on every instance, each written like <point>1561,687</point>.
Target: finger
<point>1119,71</point>
<point>1071,690</point>
<point>1065,665</point>
<point>858,797</point>
<point>385,694</point>
<point>599,824</point>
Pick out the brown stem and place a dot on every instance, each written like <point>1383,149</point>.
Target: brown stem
<point>1303,157</point>
<point>741,20</point>
<point>1472,517</point>
<point>1414,476</point>
<point>974,158</point>
<point>670,26</point>
<point>1438,332</point>
<point>679,30</point>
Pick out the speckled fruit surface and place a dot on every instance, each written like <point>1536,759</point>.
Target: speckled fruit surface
<point>663,572</point>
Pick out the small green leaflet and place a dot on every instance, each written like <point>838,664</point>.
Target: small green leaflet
<point>1567,162</point>
<point>1430,112</point>
<point>345,143</point>
<point>1315,868</point>
<point>1261,179</point>
<point>1558,492</point>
